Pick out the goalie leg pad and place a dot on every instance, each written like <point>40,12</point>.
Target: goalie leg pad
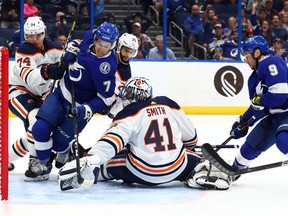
<point>206,176</point>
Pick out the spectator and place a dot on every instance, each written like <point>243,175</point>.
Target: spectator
<point>277,29</point>
<point>218,40</point>
<point>277,49</point>
<point>245,24</point>
<point>72,7</point>
<point>10,13</point>
<point>141,54</point>
<point>30,9</point>
<point>175,7</point>
<point>250,5</point>
<point>99,8</point>
<point>62,39</point>
<point>58,28</point>
<point>111,18</point>
<point>268,6</point>
<point>137,18</point>
<point>156,53</point>
<point>250,33</point>
<point>203,4</point>
<point>284,21</point>
<point>146,40</point>
<point>230,48</point>
<point>262,15</point>
<point>261,27</point>
<point>284,10</point>
<point>193,26</point>
<point>231,28</point>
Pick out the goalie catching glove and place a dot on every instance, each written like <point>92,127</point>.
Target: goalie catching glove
<point>68,178</point>
<point>206,177</point>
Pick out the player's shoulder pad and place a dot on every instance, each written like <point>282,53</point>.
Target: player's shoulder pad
<point>27,48</point>
<point>51,45</point>
<point>166,101</point>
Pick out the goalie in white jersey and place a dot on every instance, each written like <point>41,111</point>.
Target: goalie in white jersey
<point>149,142</point>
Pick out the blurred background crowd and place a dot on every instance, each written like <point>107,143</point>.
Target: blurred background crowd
<point>183,29</point>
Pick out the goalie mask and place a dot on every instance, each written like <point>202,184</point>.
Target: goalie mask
<point>34,26</point>
<point>135,89</point>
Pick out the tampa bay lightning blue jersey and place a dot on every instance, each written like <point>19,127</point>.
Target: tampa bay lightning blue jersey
<point>270,82</point>
<point>93,77</point>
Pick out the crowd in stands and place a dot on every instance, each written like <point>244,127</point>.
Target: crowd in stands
<point>211,24</point>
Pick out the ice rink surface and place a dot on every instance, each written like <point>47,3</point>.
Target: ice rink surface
<point>262,193</point>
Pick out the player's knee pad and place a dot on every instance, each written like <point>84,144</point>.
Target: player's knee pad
<point>281,142</point>
<point>41,130</point>
<point>207,176</point>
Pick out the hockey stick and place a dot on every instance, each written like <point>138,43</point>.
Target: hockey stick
<point>245,125</point>
<point>211,155</point>
<point>73,105</point>
<point>220,146</point>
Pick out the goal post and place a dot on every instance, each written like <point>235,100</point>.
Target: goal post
<point>4,74</point>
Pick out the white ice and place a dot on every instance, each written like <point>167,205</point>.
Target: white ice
<point>261,193</point>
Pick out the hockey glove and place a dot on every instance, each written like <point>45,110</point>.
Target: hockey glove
<point>82,112</point>
<point>238,129</point>
<point>258,110</point>
<point>68,178</point>
<point>71,53</point>
<point>53,71</point>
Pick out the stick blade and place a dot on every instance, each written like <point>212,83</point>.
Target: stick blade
<point>211,155</point>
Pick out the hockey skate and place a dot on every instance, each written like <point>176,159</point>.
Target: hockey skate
<point>37,171</point>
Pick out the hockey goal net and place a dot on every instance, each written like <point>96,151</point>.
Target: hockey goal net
<point>4,62</point>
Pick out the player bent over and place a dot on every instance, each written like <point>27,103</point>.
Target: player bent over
<point>36,63</point>
<point>159,139</point>
<point>92,74</point>
<point>268,92</point>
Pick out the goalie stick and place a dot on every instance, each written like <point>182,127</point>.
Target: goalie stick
<point>211,155</point>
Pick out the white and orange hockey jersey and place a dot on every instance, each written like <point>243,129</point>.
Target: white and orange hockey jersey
<point>26,76</point>
<point>159,135</point>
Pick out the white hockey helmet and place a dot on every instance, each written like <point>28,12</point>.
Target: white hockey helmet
<point>136,89</point>
<point>130,41</point>
<point>34,25</point>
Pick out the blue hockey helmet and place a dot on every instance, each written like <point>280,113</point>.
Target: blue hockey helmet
<point>107,32</point>
<point>256,42</point>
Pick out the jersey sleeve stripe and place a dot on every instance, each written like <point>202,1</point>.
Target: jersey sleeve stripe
<point>24,74</point>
